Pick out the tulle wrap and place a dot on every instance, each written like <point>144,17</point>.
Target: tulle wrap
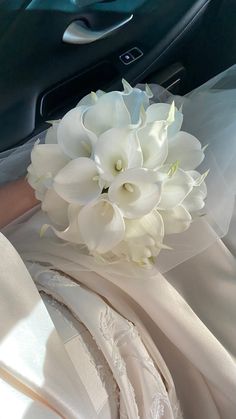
<point>210,117</point>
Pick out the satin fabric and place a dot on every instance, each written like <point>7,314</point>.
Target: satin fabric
<point>185,317</point>
<point>36,370</point>
<point>32,357</point>
<point>167,319</point>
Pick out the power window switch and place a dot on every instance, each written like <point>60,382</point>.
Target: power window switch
<point>126,58</point>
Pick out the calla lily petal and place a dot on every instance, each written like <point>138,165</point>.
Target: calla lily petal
<point>56,208</point>
<point>46,161</point>
<point>136,192</point>
<point>117,150</point>
<point>109,112</point>
<point>186,149</point>
<point>101,225</point>
<point>143,238</point>
<point>176,220</point>
<point>78,182</point>
<point>161,112</point>
<point>195,199</point>
<point>134,100</point>
<point>47,158</point>
<point>36,183</point>
<point>73,137</point>
<point>175,188</point>
<point>72,232</point>
<point>91,98</point>
<point>154,144</point>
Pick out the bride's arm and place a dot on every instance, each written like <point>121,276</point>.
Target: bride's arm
<point>15,199</point>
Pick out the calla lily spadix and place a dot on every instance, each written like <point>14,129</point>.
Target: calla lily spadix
<point>136,192</point>
<point>117,150</point>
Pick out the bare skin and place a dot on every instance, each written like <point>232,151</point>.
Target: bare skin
<point>15,199</point>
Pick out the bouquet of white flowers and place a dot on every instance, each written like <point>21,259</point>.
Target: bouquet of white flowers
<point>116,174</point>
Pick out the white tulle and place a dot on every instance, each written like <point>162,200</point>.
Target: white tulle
<point>188,315</point>
<point>217,213</point>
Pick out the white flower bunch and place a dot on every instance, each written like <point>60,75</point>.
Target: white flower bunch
<point>117,174</point>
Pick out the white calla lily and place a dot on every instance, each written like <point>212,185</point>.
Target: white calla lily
<point>46,161</point>
<point>71,233</point>
<point>115,109</point>
<point>55,207</point>
<point>118,149</point>
<point>73,138</point>
<point>109,112</point>
<point>101,225</point>
<point>136,192</point>
<point>78,182</point>
<point>176,220</point>
<point>143,239</point>
<point>195,199</point>
<point>154,144</point>
<point>48,158</point>
<point>135,99</point>
<point>175,187</point>
<point>168,113</point>
<point>186,149</point>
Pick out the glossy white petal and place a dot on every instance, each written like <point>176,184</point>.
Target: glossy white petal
<point>154,144</point>
<point>186,149</point>
<point>55,207</point>
<point>36,183</point>
<point>143,238</point>
<point>91,98</point>
<point>161,112</point>
<point>176,220</point>
<point>73,137</point>
<point>47,159</point>
<point>51,136</point>
<point>117,149</point>
<point>72,232</point>
<point>175,188</point>
<point>78,182</point>
<point>134,99</point>
<point>109,112</point>
<point>101,225</point>
<point>136,192</point>
<point>195,199</point>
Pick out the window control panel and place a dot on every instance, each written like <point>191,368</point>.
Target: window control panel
<point>130,56</point>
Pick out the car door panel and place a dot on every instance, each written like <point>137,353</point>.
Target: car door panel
<point>41,76</point>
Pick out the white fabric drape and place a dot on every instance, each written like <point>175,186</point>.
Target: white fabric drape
<point>183,313</point>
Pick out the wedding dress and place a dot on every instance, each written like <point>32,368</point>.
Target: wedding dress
<point>99,343</point>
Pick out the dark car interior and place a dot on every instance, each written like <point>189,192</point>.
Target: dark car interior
<point>53,52</point>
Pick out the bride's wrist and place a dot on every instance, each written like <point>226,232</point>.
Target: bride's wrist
<point>15,199</point>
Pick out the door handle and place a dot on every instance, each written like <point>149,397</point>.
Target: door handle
<point>78,33</point>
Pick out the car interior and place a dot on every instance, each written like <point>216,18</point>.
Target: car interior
<point>53,52</point>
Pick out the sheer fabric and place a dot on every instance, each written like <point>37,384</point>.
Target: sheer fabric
<point>173,327</point>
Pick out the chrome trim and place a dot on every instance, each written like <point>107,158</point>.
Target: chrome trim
<point>78,33</point>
